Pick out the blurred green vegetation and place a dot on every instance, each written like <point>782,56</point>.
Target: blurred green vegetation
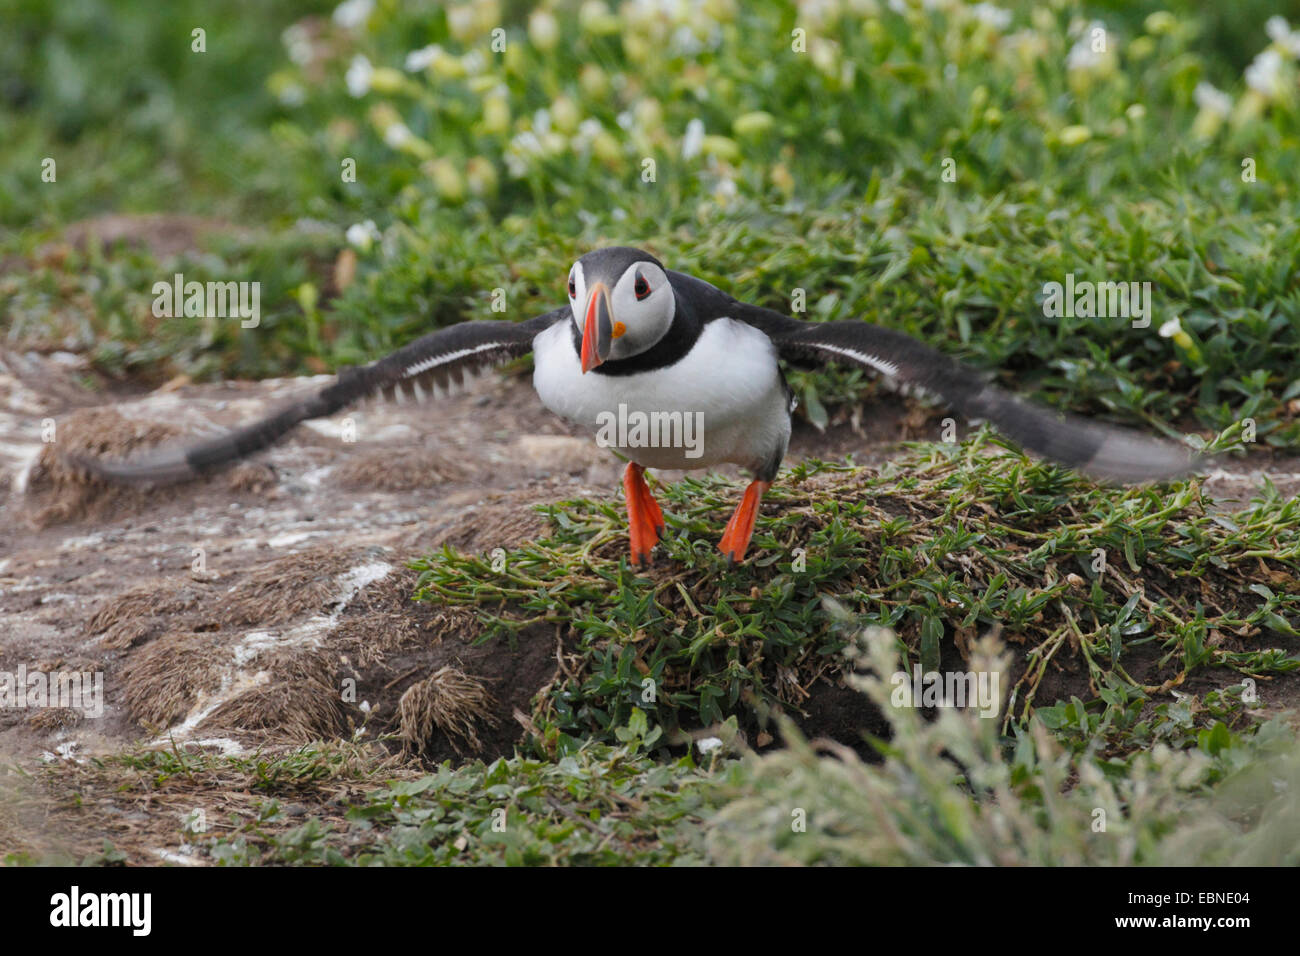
<point>136,120</point>
<point>490,160</point>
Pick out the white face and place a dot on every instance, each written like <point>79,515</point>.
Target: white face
<point>641,307</point>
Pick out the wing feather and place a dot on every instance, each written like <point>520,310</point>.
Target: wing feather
<point>1099,450</point>
<point>430,365</point>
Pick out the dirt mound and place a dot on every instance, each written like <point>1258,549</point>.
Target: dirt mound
<point>164,680</point>
<point>316,645</point>
<point>59,491</point>
<point>268,604</point>
<point>380,471</point>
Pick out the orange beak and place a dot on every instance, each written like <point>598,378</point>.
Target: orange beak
<point>598,330</point>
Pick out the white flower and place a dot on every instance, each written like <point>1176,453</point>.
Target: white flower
<point>397,135</point>
<point>1082,56</point>
<point>1212,100</point>
<point>991,15</point>
<point>353,13</point>
<point>586,133</point>
<point>543,30</point>
<point>651,8</point>
<point>474,62</point>
<point>693,141</point>
<point>1281,33</point>
<point>527,143</point>
<point>1171,328</point>
<point>1278,30</point>
<point>709,744</point>
<point>297,41</point>
<point>420,59</point>
<point>814,15</point>
<point>1264,75</point>
<point>685,42</point>
<point>523,149</point>
<point>461,22</point>
<point>362,235</point>
<point>358,76</point>
<point>292,95</point>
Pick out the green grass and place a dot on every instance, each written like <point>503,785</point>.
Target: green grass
<point>598,806</point>
<point>940,545</point>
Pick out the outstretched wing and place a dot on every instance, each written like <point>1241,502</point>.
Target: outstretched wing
<point>437,360</point>
<point>1101,451</point>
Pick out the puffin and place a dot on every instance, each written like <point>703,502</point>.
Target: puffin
<point>672,372</point>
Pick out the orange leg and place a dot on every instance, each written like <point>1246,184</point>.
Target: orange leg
<point>645,521</point>
<point>741,526</point>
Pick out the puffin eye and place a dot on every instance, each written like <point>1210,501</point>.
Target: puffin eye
<point>573,289</point>
<point>642,288</point>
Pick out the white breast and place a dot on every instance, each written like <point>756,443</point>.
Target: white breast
<point>724,399</point>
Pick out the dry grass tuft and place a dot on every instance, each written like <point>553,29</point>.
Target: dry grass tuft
<point>449,700</point>
<point>147,610</point>
<point>253,477</point>
<point>299,704</point>
<point>384,471</point>
<point>61,491</point>
<point>271,594</point>
<point>164,680</point>
<point>49,719</point>
<point>383,618</point>
<point>281,590</point>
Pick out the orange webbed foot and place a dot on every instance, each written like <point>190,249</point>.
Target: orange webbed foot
<point>645,520</point>
<point>735,539</point>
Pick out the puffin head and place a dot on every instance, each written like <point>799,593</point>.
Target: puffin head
<point>621,301</point>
